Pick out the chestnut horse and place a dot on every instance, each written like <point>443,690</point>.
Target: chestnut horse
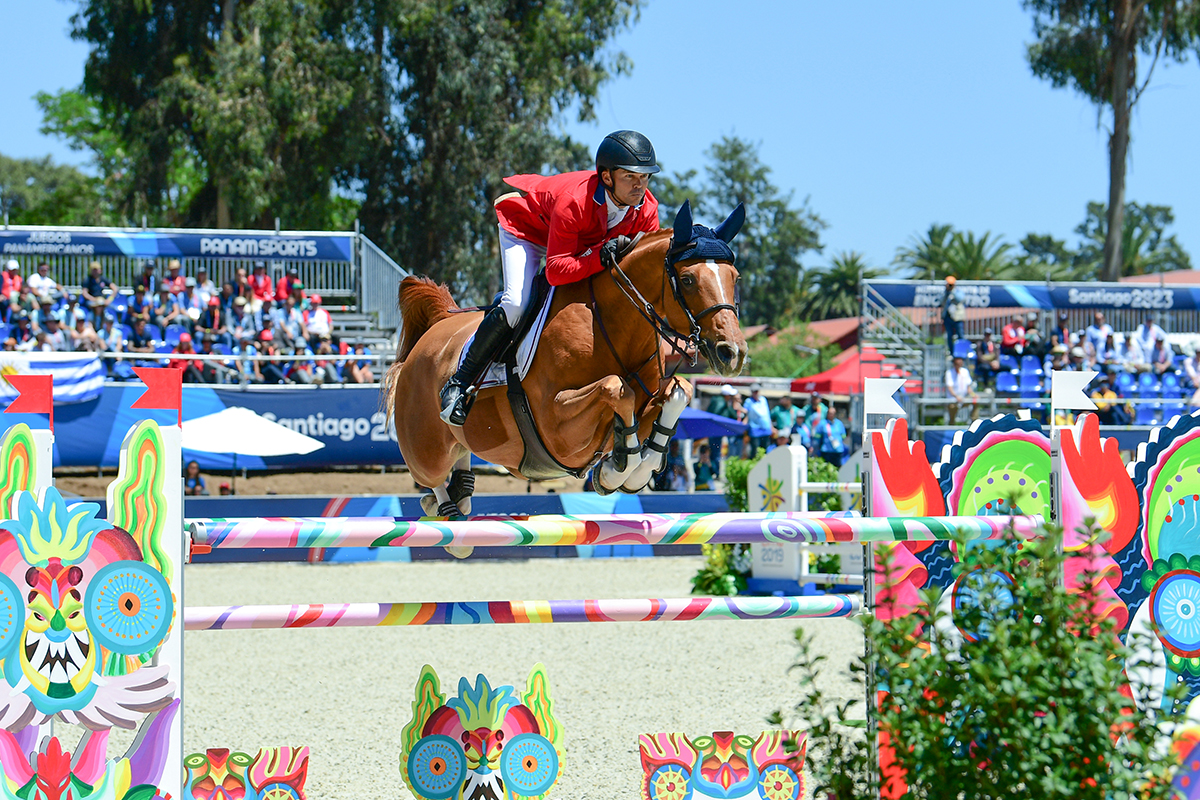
<point>597,376</point>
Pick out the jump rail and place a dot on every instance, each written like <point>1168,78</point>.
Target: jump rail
<point>369,615</point>
<point>559,530</point>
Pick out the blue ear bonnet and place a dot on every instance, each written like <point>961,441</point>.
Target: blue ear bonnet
<point>701,242</point>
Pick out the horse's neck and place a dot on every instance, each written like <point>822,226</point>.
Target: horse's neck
<point>633,337</point>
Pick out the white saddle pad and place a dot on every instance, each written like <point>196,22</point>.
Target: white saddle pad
<point>496,374</point>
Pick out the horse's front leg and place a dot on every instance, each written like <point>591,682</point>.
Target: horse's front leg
<point>576,413</point>
<point>654,451</point>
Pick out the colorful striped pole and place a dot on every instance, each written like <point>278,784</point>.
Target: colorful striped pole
<point>852,487</point>
<point>557,530</point>
<point>369,615</point>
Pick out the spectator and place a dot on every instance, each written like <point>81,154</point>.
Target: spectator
<point>705,470</point>
<point>783,417</point>
<point>1063,329</point>
<point>954,311</point>
<point>193,371</point>
<point>204,287</point>
<point>10,281</point>
<point>829,438</point>
<point>261,286</point>
<point>67,314</point>
<point>778,440</point>
<point>1131,354</point>
<point>1097,333</point>
<point>249,369</point>
<point>720,405</point>
<point>46,289</point>
<point>1076,362</point>
<point>212,323</point>
<point>299,296</point>
<point>166,308</point>
<point>139,338</point>
<point>1161,358</point>
<point>227,296</point>
<point>359,371</point>
<point>112,339</point>
<point>98,291</point>
<point>1034,345</point>
<point>317,321</point>
<point>283,289</point>
<point>758,417</point>
<point>290,322</point>
<point>299,371</point>
<point>83,336</point>
<point>1148,334</point>
<point>1107,356</point>
<point>224,490</point>
<point>1191,366</point>
<point>23,331</point>
<point>326,369</point>
<point>174,280</point>
<point>56,337</point>
<point>240,322</point>
<point>1109,410</point>
<point>193,481</point>
<point>26,301</point>
<point>960,388</point>
<point>192,305</point>
<point>141,306</point>
<point>813,411</point>
<point>147,279</point>
<point>271,371</point>
<point>987,359</point>
<point>1012,337</point>
<point>38,344</point>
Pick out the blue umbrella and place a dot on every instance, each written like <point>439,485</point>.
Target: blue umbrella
<point>697,424</point>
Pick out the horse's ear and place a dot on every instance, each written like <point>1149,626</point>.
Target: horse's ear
<point>732,224</point>
<point>683,225</point>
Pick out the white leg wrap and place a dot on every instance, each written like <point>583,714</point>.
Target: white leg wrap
<point>458,551</point>
<point>651,460</point>
<point>608,476</point>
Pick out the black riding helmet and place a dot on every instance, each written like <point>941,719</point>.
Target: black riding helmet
<point>627,150</point>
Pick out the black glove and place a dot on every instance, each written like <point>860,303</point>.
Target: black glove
<point>612,251</point>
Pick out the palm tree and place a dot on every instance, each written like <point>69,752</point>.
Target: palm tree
<point>926,258</point>
<point>835,288</point>
<point>981,258</point>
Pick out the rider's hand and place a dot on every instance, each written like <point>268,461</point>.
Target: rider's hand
<point>612,251</point>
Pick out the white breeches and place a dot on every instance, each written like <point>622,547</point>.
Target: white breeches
<point>521,261</point>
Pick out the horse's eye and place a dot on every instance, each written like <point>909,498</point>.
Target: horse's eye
<point>688,280</point>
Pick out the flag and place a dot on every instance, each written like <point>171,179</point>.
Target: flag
<point>164,389</point>
<point>78,377</point>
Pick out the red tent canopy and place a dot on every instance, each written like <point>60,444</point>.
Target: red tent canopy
<point>847,377</point>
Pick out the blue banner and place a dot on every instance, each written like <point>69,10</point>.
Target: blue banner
<point>984,294</point>
<point>176,244</point>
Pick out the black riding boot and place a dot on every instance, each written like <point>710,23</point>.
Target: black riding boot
<point>492,335</point>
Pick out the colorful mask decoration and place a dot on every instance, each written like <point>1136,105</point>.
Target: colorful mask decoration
<point>723,766</point>
<point>90,612</point>
<point>486,743</point>
<point>275,773</point>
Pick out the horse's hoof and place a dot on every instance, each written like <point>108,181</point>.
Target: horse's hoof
<point>429,504</point>
<point>459,550</point>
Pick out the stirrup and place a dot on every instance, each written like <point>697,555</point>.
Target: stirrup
<point>455,414</point>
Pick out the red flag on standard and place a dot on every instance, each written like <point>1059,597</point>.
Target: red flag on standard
<point>35,395</point>
<point>164,389</point>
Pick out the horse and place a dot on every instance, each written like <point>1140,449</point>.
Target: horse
<point>598,389</point>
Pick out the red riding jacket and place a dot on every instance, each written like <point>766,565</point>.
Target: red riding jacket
<point>568,215</point>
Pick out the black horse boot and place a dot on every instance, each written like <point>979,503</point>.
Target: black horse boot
<point>493,334</point>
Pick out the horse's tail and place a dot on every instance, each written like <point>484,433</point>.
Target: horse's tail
<point>422,304</point>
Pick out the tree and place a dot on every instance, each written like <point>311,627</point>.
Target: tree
<point>1093,46</point>
<point>1145,247</point>
<point>835,288</point>
<point>36,191</point>
<point>926,256</point>
<point>943,251</point>
<point>773,240</point>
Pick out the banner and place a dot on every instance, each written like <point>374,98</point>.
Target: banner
<point>78,377</point>
<point>983,294</point>
<point>175,244</point>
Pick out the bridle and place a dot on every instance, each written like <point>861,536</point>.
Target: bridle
<point>686,345</point>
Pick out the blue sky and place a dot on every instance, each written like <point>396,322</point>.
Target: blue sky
<point>888,116</point>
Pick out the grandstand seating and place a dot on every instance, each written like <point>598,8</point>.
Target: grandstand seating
<point>964,349</point>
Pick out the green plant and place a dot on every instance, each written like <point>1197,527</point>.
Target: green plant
<point>737,476</point>
<point>820,470</point>
<point>1021,693</point>
<point>831,564</point>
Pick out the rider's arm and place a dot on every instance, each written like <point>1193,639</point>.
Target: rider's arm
<point>564,261</point>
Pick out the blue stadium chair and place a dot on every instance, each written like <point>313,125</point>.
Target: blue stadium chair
<point>154,332</point>
<point>222,349</point>
<point>1006,383</point>
<point>1148,414</point>
<point>1031,380</point>
<point>1031,365</point>
<point>963,349</point>
<point>173,332</point>
<point>1035,395</point>
<point>1125,384</point>
<point>1171,389</point>
<point>1172,410</point>
<point>5,330</point>
<point>1146,380</point>
<point>118,306</point>
<point>1009,363</point>
<point>164,347</point>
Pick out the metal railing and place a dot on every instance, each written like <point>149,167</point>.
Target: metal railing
<point>892,334</point>
<point>380,277</point>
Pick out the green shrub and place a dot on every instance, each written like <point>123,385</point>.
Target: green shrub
<point>820,470</point>
<point>1032,708</point>
<point>726,566</point>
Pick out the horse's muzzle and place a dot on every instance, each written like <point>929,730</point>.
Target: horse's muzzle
<point>724,357</point>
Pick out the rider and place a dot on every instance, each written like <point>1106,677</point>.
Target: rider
<point>579,222</point>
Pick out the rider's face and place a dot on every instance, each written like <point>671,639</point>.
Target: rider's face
<point>627,188</point>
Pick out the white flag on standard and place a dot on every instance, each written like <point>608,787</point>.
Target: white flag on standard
<point>1067,390</point>
<point>878,399</point>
